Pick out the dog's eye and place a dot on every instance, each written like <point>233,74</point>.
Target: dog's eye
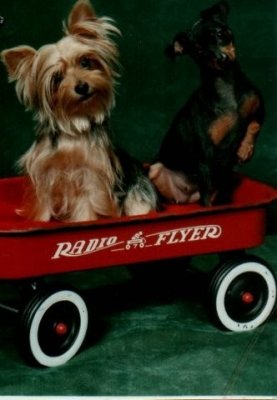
<point>216,34</point>
<point>223,35</point>
<point>89,63</point>
<point>57,79</point>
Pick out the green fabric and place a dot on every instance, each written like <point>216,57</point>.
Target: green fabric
<point>152,337</point>
<point>152,88</point>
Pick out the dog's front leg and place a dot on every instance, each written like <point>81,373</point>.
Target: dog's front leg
<point>246,149</point>
<point>251,109</point>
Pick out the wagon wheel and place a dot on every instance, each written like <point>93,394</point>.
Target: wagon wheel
<point>54,326</point>
<point>243,293</point>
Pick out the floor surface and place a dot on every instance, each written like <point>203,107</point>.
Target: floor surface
<point>150,334</point>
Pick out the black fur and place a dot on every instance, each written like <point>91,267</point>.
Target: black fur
<point>225,96</point>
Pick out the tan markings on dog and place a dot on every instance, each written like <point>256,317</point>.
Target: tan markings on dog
<point>246,149</point>
<point>78,190</point>
<point>249,105</point>
<point>229,50</point>
<point>253,129</point>
<point>221,127</point>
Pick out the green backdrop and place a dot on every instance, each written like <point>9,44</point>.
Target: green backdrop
<point>152,88</point>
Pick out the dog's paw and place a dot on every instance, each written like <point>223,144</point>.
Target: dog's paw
<point>245,151</point>
<point>135,204</point>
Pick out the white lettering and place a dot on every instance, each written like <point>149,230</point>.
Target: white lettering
<point>82,247</point>
<point>212,231</point>
<point>185,233</point>
<point>190,234</point>
<point>78,247</point>
<point>196,234</point>
<point>111,240</point>
<point>162,237</point>
<point>92,245</point>
<point>62,250</point>
<point>172,238</point>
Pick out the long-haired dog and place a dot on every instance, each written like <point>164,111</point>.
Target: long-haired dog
<point>75,172</point>
<point>218,126</point>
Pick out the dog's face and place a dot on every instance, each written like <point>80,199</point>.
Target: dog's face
<point>210,41</point>
<point>73,78</point>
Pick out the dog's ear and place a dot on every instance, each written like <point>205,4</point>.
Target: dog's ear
<point>81,12</point>
<point>179,46</point>
<point>83,22</point>
<point>18,61</point>
<point>219,11</point>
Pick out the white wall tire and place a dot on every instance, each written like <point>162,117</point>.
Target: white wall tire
<point>55,326</point>
<point>243,294</point>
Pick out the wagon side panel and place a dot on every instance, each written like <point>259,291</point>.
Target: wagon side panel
<point>52,252</point>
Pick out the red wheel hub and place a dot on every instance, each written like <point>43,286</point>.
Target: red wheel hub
<point>61,329</point>
<point>247,298</point>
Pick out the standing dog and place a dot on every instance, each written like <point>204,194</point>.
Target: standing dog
<point>75,172</point>
<point>218,126</point>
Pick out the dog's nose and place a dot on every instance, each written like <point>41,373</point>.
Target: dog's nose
<point>82,88</point>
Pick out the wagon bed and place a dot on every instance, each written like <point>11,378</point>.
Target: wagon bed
<point>29,248</point>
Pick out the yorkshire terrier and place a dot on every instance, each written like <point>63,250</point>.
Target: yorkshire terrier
<point>75,172</point>
<point>218,126</point>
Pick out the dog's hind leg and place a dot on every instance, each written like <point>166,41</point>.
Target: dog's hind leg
<point>173,186</point>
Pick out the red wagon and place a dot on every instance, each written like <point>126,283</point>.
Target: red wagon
<point>54,320</point>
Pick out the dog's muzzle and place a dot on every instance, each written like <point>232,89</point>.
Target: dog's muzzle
<point>224,56</point>
<point>228,52</point>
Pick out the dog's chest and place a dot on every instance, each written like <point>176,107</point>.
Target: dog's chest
<point>226,99</point>
<point>226,111</point>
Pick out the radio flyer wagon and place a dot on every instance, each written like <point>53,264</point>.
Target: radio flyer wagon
<point>54,320</point>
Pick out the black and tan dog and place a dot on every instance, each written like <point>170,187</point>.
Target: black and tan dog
<point>218,126</point>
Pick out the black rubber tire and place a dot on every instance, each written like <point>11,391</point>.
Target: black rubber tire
<point>54,324</point>
<point>242,293</point>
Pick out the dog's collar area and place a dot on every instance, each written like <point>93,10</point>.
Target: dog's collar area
<point>56,134</point>
<point>97,125</point>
